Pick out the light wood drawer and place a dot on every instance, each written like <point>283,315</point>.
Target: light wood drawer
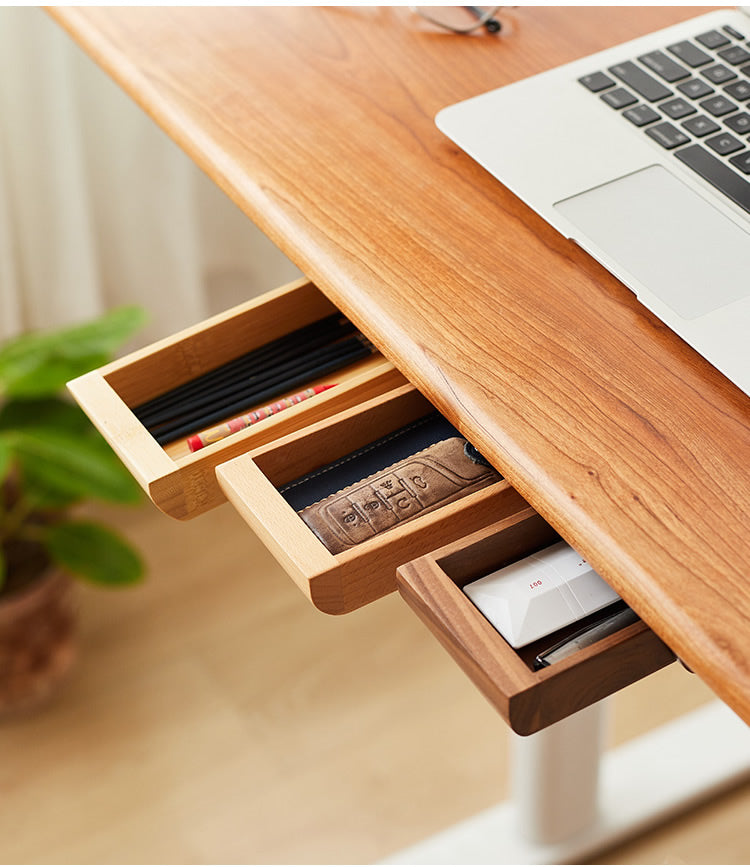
<point>343,582</point>
<point>528,700</point>
<point>181,483</point>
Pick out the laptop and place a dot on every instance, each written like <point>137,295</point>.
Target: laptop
<point>641,155</point>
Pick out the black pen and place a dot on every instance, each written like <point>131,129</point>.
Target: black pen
<point>590,634</point>
<point>297,342</point>
<point>233,388</point>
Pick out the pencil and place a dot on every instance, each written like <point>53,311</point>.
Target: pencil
<point>214,434</point>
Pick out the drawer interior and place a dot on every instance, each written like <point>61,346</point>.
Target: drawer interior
<point>182,483</point>
<point>341,582</point>
<point>528,699</point>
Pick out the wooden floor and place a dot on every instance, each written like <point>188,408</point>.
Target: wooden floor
<point>215,717</point>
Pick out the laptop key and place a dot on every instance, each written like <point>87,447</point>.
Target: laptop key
<point>641,115</point>
<point>739,90</point>
<point>618,98</point>
<point>745,70</point>
<point>732,32</point>
<point>596,81</point>
<point>712,39</point>
<point>718,105</point>
<point>700,125</point>
<point>742,162</point>
<point>739,123</point>
<point>713,170</point>
<point>695,88</point>
<point>677,108</point>
<point>724,144</point>
<point>658,62</point>
<point>735,55</point>
<point>689,53</point>
<point>718,74</point>
<point>667,135</point>
<point>641,82</point>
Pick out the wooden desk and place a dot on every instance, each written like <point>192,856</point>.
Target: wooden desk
<point>319,124</point>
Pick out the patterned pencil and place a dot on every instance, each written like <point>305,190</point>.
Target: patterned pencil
<point>214,434</point>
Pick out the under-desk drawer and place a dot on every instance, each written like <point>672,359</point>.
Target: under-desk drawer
<point>342,582</point>
<point>183,483</point>
<point>528,699</point>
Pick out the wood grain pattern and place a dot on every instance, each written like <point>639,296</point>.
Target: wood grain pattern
<point>319,124</point>
<point>528,700</point>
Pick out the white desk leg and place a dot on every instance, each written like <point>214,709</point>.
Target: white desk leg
<point>555,777</point>
<point>559,814</point>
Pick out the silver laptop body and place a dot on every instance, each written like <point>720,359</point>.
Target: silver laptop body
<point>644,204</point>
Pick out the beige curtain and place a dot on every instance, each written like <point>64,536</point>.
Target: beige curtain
<point>99,208</point>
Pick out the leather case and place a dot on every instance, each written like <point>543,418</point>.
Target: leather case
<point>418,484</point>
<point>369,459</point>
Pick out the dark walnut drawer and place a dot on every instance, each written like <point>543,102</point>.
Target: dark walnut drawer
<point>528,700</point>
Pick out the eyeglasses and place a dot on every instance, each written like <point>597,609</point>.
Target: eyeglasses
<point>461,19</point>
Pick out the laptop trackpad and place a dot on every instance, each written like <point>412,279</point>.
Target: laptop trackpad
<point>675,243</point>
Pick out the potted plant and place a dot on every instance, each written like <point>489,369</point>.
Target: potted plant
<point>51,460</point>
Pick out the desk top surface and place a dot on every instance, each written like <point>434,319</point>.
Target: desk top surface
<point>319,124</point>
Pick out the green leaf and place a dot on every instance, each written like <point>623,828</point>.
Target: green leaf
<point>6,458</point>
<point>60,468</point>
<point>101,336</point>
<point>55,413</point>
<point>41,363</point>
<point>94,552</point>
<point>47,375</point>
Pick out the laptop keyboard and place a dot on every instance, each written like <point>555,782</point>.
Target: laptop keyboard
<point>693,99</point>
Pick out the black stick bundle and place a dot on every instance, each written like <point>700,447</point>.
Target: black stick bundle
<point>271,370</point>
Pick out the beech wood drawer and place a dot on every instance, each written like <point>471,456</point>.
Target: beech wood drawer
<point>181,483</point>
<point>343,582</point>
<point>528,700</point>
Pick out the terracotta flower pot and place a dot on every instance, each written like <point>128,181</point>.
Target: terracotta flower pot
<point>37,641</point>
